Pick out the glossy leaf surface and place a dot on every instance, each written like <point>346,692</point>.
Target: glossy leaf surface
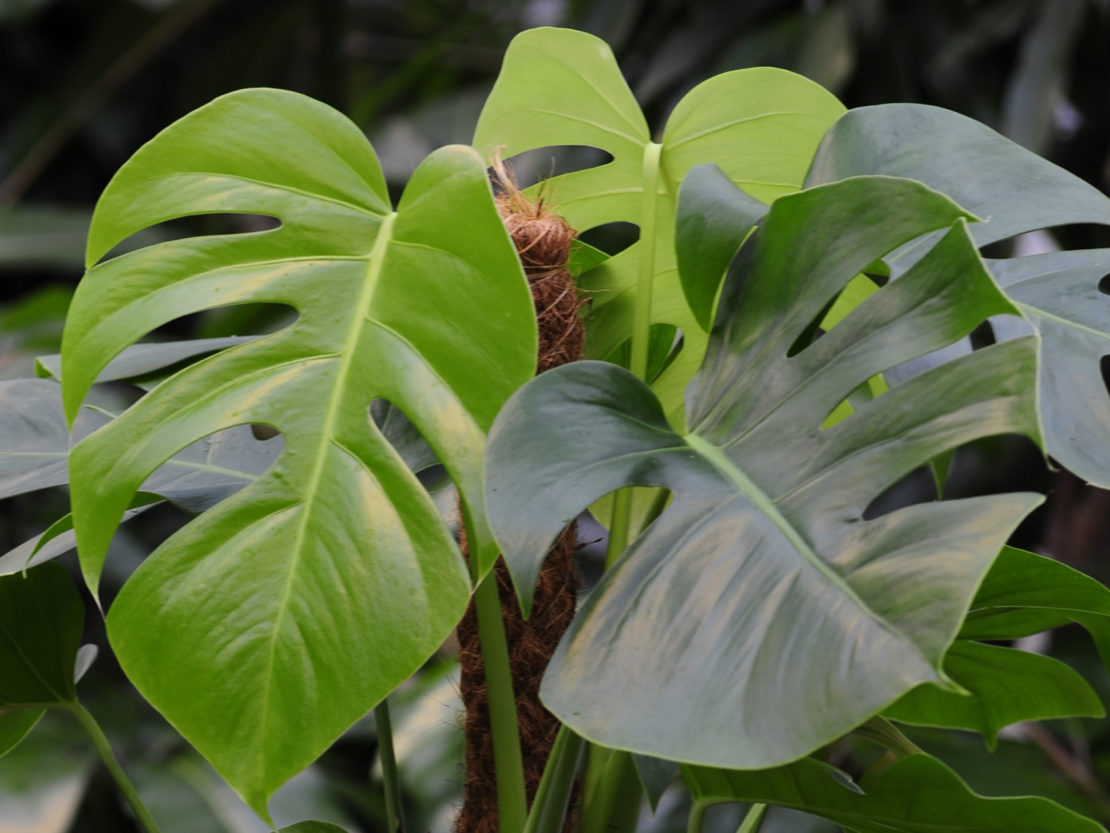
<point>1014,191</point>
<point>563,87</point>
<point>917,794</point>
<point>336,576</point>
<point>761,616</point>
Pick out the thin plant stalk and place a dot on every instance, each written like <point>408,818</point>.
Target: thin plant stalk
<point>394,811</point>
<point>123,783</point>
<point>753,820</point>
<point>512,800</point>
<point>549,808</point>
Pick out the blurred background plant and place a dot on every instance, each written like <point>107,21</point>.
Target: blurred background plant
<point>84,84</point>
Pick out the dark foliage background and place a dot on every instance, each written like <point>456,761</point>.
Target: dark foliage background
<point>83,84</point>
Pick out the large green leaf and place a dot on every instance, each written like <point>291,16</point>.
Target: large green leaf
<point>918,794</point>
<point>336,576</point>
<point>761,615</point>
<point>1014,191</point>
<point>1003,686</point>
<point>563,87</point>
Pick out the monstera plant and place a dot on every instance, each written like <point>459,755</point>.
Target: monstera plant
<point>784,342</point>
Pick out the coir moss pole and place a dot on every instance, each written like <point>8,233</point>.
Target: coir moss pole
<point>543,241</point>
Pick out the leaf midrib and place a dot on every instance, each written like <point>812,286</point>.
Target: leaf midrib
<point>747,487</point>
<point>374,267</point>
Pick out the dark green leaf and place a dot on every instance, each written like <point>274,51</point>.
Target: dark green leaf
<point>1024,594</point>
<point>1059,294</point>
<point>14,726</point>
<point>719,634</point>
<point>1006,686</point>
<point>715,218</point>
<point>917,794</point>
<point>1014,191</point>
<point>313,827</point>
<point>41,617</point>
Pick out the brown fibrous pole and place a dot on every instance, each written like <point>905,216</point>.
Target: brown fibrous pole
<point>543,241</point>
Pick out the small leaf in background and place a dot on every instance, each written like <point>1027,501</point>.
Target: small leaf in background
<point>14,726</point>
<point>41,617</point>
<point>1006,686</point>
<point>916,794</point>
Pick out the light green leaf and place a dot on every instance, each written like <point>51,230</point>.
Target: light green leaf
<point>335,573</point>
<point>721,632</point>
<point>1006,686</point>
<point>563,87</point>
<point>917,794</point>
<point>1014,191</point>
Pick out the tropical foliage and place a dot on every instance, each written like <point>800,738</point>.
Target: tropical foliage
<point>785,342</point>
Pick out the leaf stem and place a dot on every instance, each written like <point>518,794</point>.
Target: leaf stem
<point>613,792</point>
<point>104,749</point>
<point>641,320</point>
<point>508,762</point>
<point>394,811</point>
<point>549,808</point>
<point>753,820</point>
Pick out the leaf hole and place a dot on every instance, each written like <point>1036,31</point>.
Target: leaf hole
<point>1104,285</point>
<point>611,238</point>
<point>197,225</point>
<point>665,342</point>
<point>400,432</point>
<point>550,162</point>
<point>246,319</point>
<point>918,486</point>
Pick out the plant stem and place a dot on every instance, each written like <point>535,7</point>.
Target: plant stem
<point>619,526</point>
<point>512,801</point>
<point>549,808</point>
<point>613,792</point>
<point>104,749</point>
<point>394,812</point>
<point>641,320</point>
<point>753,820</point>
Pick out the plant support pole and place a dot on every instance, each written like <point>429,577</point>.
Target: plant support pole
<point>123,783</point>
